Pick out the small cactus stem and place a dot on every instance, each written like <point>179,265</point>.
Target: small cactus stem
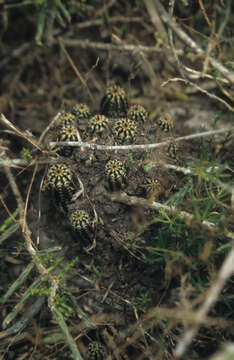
<point>81,111</point>
<point>80,222</point>
<point>115,172</point>
<point>153,188</point>
<point>67,133</point>
<point>173,150</point>
<point>114,103</point>
<point>98,124</point>
<point>166,122</point>
<point>96,351</point>
<point>137,113</point>
<point>59,180</point>
<point>66,119</point>
<point>125,130</point>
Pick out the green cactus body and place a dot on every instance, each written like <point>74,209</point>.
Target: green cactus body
<point>98,124</point>
<point>125,130</point>
<point>115,172</point>
<point>81,111</point>
<point>96,351</point>
<point>114,103</point>
<point>153,188</point>
<point>137,113</point>
<point>59,181</point>
<point>66,119</point>
<point>166,123</point>
<point>80,222</point>
<point>67,133</point>
<point>172,150</point>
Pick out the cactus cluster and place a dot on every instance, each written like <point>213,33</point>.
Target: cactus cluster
<point>59,181</point>
<point>123,123</point>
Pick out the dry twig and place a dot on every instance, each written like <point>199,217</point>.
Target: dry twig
<point>187,40</point>
<point>138,147</point>
<point>42,270</point>
<point>212,96</point>
<point>227,269</point>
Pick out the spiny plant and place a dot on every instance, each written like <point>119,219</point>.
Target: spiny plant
<point>165,122</point>
<point>137,113</point>
<point>96,351</point>
<point>65,119</point>
<point>114,103</point>
<point>98,124</point>
<point>172,148</point>
<point>153,188</point>
<point>81,112</point>
<point>67,133</point>
<point>125,130</point>
<point>80,222</point>
<point>59,181</point>
<point>116,174</point>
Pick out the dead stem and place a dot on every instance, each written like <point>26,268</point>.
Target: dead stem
<point>187,40</point>
<point>133,201</point>
<point>170,33</point>
<point>74,67</point>
<point>18,132</point>
<point>109,47</point>
<point>227,269</point>
<point>42,270</point>
<point>138,147</point>
<point>212,96</point>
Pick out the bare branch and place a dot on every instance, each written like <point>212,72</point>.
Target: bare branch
<point>138,147</point>
<point>188,41</point>
<point>224,274</point>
